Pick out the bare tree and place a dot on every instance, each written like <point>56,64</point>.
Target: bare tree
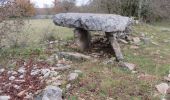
<point>9,9</point>
<point>64,5</point>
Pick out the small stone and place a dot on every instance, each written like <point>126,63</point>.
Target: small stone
<point>21,70</point>
<point>123,41</point>
<point>155,43</point>
<point>168,91</point>
<point>68,86</point>
<point>57,83</point>
<point>45,72</point>
<point>53,74</point>
<point>21,76</point>
<point>72,76</point>
<point>162,88</point>
<point>78,71</point>
<point>134,47</point>
<point>16,87</point>
<point>5,97</point>
<point>130,66</point>
<point>29,96</point>
<point>74,56</point>
<point>136,40</point>
<point>63,68</point>
<point>134,72</point>
<point>146,40</point>
<point>11,78</point>
<point>35,72</point>
<point>167,79</point>
<point>169,75</point>
<point>12,72</point>
<point>2,70</point>
<point>52,93</point>
<point>60,65</point>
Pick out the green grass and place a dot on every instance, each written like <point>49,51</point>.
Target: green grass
<point>37,28</point>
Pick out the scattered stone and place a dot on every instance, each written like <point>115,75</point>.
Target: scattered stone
<point>45,72</point>
<point>78,71</point>
<point>16,87</point>
<point>2,70</point>
<point>72,76</point>
<point>165,29</point>
<point>21,76</point>
<point>12,78</point>
<point>130,66</point>
<point>134,72</point>
<point>35,72</point>
<point>123,41</point>
<point>142,34</point>
<point>53,74</point>
<point>169,75</point>
<point>53,58</point>
<point>134,47</point>
<point>68,86</point>
<point>146,40</point>
<point>155,43</point>
<point>108,62</point>
<point>162,88</point>
<point>74,56</point>
<point>167,79</point>
<point>136,40</point>
<point>12,72</point>
<point>21,93</point>
<point>52,93</point>
<point>168,91</point>
<point>57,83</point>
<point>29,96</point>
<point>166,41</point>
<point>21,70</point>
<point>5,97</point>
<point>63,68</point>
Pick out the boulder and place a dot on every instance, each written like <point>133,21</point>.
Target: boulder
<point>74,56</point>
<point>93,22</point>
<point>162,88</point>
<point>50,93</point>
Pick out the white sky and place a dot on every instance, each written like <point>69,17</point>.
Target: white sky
<point>41,3</point>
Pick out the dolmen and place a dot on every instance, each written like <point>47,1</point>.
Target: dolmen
<point>112,25</point>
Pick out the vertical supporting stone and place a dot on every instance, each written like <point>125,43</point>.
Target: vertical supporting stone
<point>112,38</point>
<point>83,38</point>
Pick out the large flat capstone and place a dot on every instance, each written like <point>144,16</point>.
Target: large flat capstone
<point>93,22</point>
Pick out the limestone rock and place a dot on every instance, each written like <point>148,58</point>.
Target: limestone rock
<point>162,88</point>
<point>146,40</point>
<point>78,71</point>
<point>52,93</point>
<point>130,66</point>
<point>5,97</point>
<point>12,78</point>
<point>2,70</point>
<point>93,22</point>
<point>136,40</point>
<point>74,56</point>
<point>21,70</point>
<point>72,76</point>
<point>45,72</point>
